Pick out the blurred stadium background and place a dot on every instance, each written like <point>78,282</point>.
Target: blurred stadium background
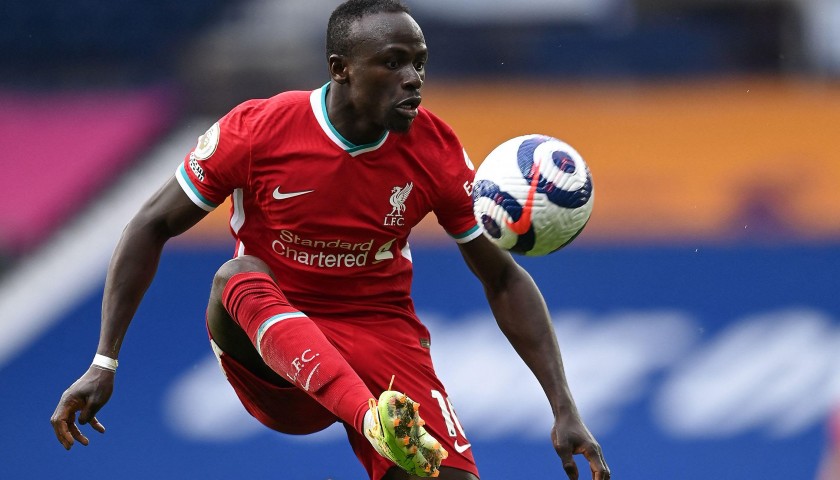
<point>699,313</point>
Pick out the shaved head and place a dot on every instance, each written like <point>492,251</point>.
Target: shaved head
<point>340,38</point>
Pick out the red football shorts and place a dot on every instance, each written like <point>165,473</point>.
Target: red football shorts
<point>377,350</point>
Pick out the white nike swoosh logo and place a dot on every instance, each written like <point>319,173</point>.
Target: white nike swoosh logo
<point>309,378</point>
<point>461,448</point>
<point>282,196</point>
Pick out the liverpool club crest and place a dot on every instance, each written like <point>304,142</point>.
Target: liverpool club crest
<point>398,197</point>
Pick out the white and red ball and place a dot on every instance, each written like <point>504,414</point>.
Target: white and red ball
<point>533,195</point>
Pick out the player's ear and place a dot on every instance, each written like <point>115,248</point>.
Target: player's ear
<point>338,68</point>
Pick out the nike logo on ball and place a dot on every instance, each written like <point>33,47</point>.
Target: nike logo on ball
<point>282,196</point>
<point>461,448</point>
<point>522,225</point>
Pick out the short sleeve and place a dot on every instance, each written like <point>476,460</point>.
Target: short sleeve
<point>454,211</point>
<point>220,161</point>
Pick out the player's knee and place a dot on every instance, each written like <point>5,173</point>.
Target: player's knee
<point>243,264</point>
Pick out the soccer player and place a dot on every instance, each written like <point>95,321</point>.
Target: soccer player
<point>312,320</point>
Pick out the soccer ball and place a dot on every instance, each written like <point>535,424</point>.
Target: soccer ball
<point>533,195</point>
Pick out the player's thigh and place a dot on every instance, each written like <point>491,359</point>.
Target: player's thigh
<point>446,473</point>
<point>225,331</point>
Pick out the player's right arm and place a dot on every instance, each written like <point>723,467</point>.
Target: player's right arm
<point>166,214</point>
<point>218,164</point>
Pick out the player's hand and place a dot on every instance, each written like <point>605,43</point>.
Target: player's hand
<point>86,396</point>
<point>570,436</point>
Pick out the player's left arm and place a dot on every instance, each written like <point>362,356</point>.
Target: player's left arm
<point>523,317</point>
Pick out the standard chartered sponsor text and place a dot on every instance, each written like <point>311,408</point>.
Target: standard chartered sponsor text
<point>323,253</point>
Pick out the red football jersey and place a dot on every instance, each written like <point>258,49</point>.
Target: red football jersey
<point>331,218</point>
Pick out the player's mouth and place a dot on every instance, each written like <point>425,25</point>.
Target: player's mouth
<point>408,107</point>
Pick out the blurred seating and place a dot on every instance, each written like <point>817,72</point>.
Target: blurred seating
<point>87,42</point>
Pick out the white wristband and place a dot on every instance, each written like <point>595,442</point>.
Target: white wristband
<point>107,363</point>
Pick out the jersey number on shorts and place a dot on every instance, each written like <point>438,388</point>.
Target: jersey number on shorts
<point>448,414</point>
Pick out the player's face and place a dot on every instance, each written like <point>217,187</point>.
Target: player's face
<point>386,69</point>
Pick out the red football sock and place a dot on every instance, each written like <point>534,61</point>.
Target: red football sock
<point>294,347</point>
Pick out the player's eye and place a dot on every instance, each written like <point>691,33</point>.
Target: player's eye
<point>419,66</point>
<point>392,64</point>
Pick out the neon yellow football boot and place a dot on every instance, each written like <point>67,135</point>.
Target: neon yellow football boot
<point>396,432</point>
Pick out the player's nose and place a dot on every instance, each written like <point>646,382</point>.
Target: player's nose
<point>412,79</point>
